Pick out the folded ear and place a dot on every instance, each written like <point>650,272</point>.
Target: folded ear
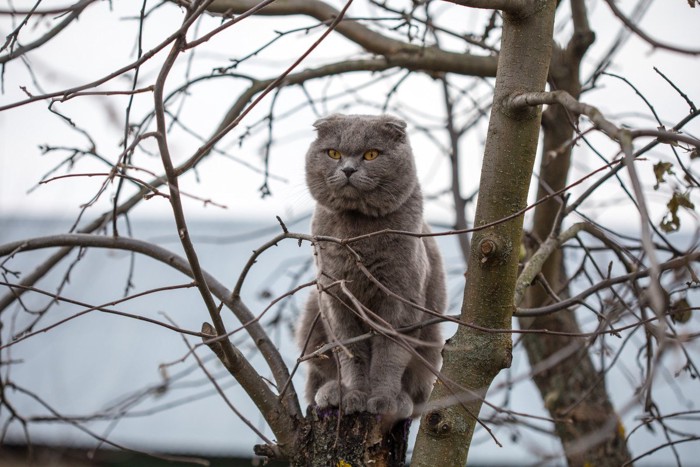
<point>395,127</point>
<point>328,122</point>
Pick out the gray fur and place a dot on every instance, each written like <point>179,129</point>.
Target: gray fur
<point>355,197</point>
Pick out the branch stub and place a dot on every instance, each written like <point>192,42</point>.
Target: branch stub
<point>437,424</point>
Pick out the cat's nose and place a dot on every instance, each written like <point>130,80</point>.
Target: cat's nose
<point>348,171</point>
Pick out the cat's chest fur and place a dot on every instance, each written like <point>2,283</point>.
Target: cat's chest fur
<point>388,257</point>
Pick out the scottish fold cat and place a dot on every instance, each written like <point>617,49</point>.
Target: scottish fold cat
<point>361,172</point>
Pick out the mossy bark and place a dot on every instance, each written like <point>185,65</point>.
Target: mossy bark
<point>472,358</point>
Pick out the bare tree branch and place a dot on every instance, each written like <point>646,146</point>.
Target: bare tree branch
<point>75,11</point>
<point>390,57</point>
<point>651,41</point>
<point>276,415</point>
<point>515,7</point>
<point>677,263</point>
<point>430,59</point>
<point>521,100</point>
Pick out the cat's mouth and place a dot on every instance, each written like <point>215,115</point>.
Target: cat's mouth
<point>348,190</point>
<point>346,184</point>
<point>349,187</point>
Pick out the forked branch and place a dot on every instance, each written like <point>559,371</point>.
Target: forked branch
<point>373,42</point>
<point>519,101</point>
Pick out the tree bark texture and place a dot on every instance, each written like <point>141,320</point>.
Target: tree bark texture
<point>350,441</point>
<point>573,390</point>
<point>472,358</point>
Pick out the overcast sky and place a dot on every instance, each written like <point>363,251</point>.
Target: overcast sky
<point>103,40</point>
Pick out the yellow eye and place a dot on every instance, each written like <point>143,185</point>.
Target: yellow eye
<point>333,154</point>
<point>371,155</point>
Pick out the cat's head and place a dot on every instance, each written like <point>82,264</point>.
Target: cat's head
<point>361,163</point>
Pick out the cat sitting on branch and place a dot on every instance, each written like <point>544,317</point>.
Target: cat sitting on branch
<point>361,171</point>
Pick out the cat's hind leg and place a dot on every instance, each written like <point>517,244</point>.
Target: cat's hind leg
<point>389,361</point>
<point>311,334</point>
<point>420,373</point>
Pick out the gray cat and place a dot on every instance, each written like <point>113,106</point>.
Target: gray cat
<point>361,171</point>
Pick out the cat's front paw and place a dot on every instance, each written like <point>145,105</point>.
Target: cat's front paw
<point>328,395</point>
<point>382,404</point>
<point>404,405</point>
<point>354,401</point>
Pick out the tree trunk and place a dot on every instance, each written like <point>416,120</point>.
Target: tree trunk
<point>573,390</point>
<point>356,440</point>
<point>472,358</point>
